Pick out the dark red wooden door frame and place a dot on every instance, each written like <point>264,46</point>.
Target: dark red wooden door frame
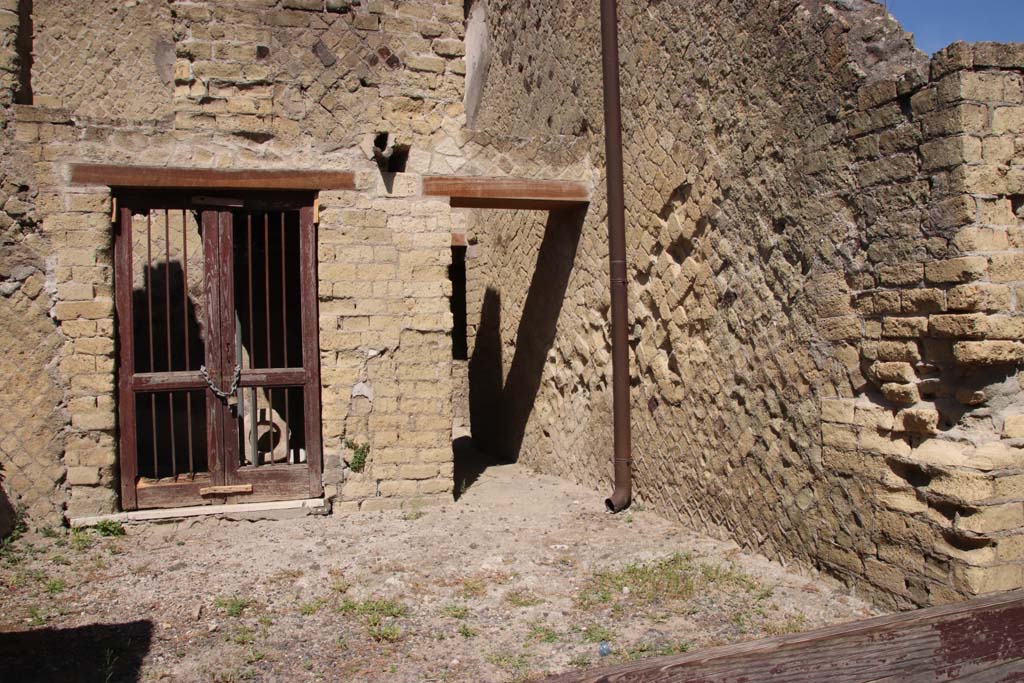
<point>269,482</point>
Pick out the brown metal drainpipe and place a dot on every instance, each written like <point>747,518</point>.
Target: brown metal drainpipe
<point>622,494</point>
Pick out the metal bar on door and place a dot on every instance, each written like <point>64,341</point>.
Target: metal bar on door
<point>254,404</point>
<point>266,328</point>
<point>167,321</point>
<point>184,320</point>
<point>148,283</point>
<point>284,340</point>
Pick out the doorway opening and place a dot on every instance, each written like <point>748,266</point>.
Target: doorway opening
<point>219,389</point>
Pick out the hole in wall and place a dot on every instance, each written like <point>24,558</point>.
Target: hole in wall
<point>680,248</point>
<point>905,107</point>
<point>391,157</point>
<point>930,389</point>
<point>950,413</point>
<point>680,195</point>
<point>399,159</point>
<point>966,542</point>
<point>262,52</point>
<point>673,365</point>
<point>255,136</point>
<point>702,224</point>
<point>949,510</point>
<point>1017,204</point>
<point>912,474</point>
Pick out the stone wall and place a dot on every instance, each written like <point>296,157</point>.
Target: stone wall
<point>940,330</point>
<point>243,85</point>
<point>821,238</point>
<point>32,420</point>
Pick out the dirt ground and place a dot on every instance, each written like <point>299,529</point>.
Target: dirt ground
<point>524,575</point>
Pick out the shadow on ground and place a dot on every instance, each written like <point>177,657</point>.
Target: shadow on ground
<point>102,653</point>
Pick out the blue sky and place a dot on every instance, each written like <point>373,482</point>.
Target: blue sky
<point>937,23</point>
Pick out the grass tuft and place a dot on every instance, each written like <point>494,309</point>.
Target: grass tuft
<point>522,598</point>
<point>109,527</point>
<point>455,611</point>
<point>676,577</point>
<point>385,633</point>
<point>595,633</point>
<point>233,606</point>
<point>543,633</point>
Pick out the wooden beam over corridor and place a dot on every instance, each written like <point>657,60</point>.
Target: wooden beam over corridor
<point>470,192</point>
<point>978,640</point>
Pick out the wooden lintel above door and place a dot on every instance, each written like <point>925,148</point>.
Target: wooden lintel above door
<point>161,177</point>
<point>473,192</point>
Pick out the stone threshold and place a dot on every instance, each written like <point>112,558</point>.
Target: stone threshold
<point>312,504</point>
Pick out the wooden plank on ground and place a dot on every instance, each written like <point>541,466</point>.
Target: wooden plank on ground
<point>976,641</point>
<point>507,193</point>
<point>150,177</point>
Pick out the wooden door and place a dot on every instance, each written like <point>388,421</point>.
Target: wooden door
<point>219,387</point>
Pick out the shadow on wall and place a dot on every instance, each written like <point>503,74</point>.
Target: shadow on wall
<point>100,652</point>
<point>162,319</point>
<point>7,511</point>
<point>499,407</point>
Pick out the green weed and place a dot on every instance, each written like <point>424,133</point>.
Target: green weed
<point>242,635</point>
<point>109,527</point>
<point>232,606</point>
<point>36,617</point>
<point>674,578</point>
<point>473,588</point>
<point>360,451</point>
<point>309,608</point>
<point>384,633</point>
<point>517,664</point>
<point>522,598</point>
<point>456,611</point>
<point>597,634</point>
<point>543,633</point>
<point>80,539</point>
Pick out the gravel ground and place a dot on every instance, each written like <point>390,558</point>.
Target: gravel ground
<point>524,575</point>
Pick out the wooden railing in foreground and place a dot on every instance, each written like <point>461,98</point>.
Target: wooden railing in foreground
<point>980,641</point>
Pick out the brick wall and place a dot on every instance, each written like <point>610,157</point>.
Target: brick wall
<point>821,239</point>
<point>239,85</point>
